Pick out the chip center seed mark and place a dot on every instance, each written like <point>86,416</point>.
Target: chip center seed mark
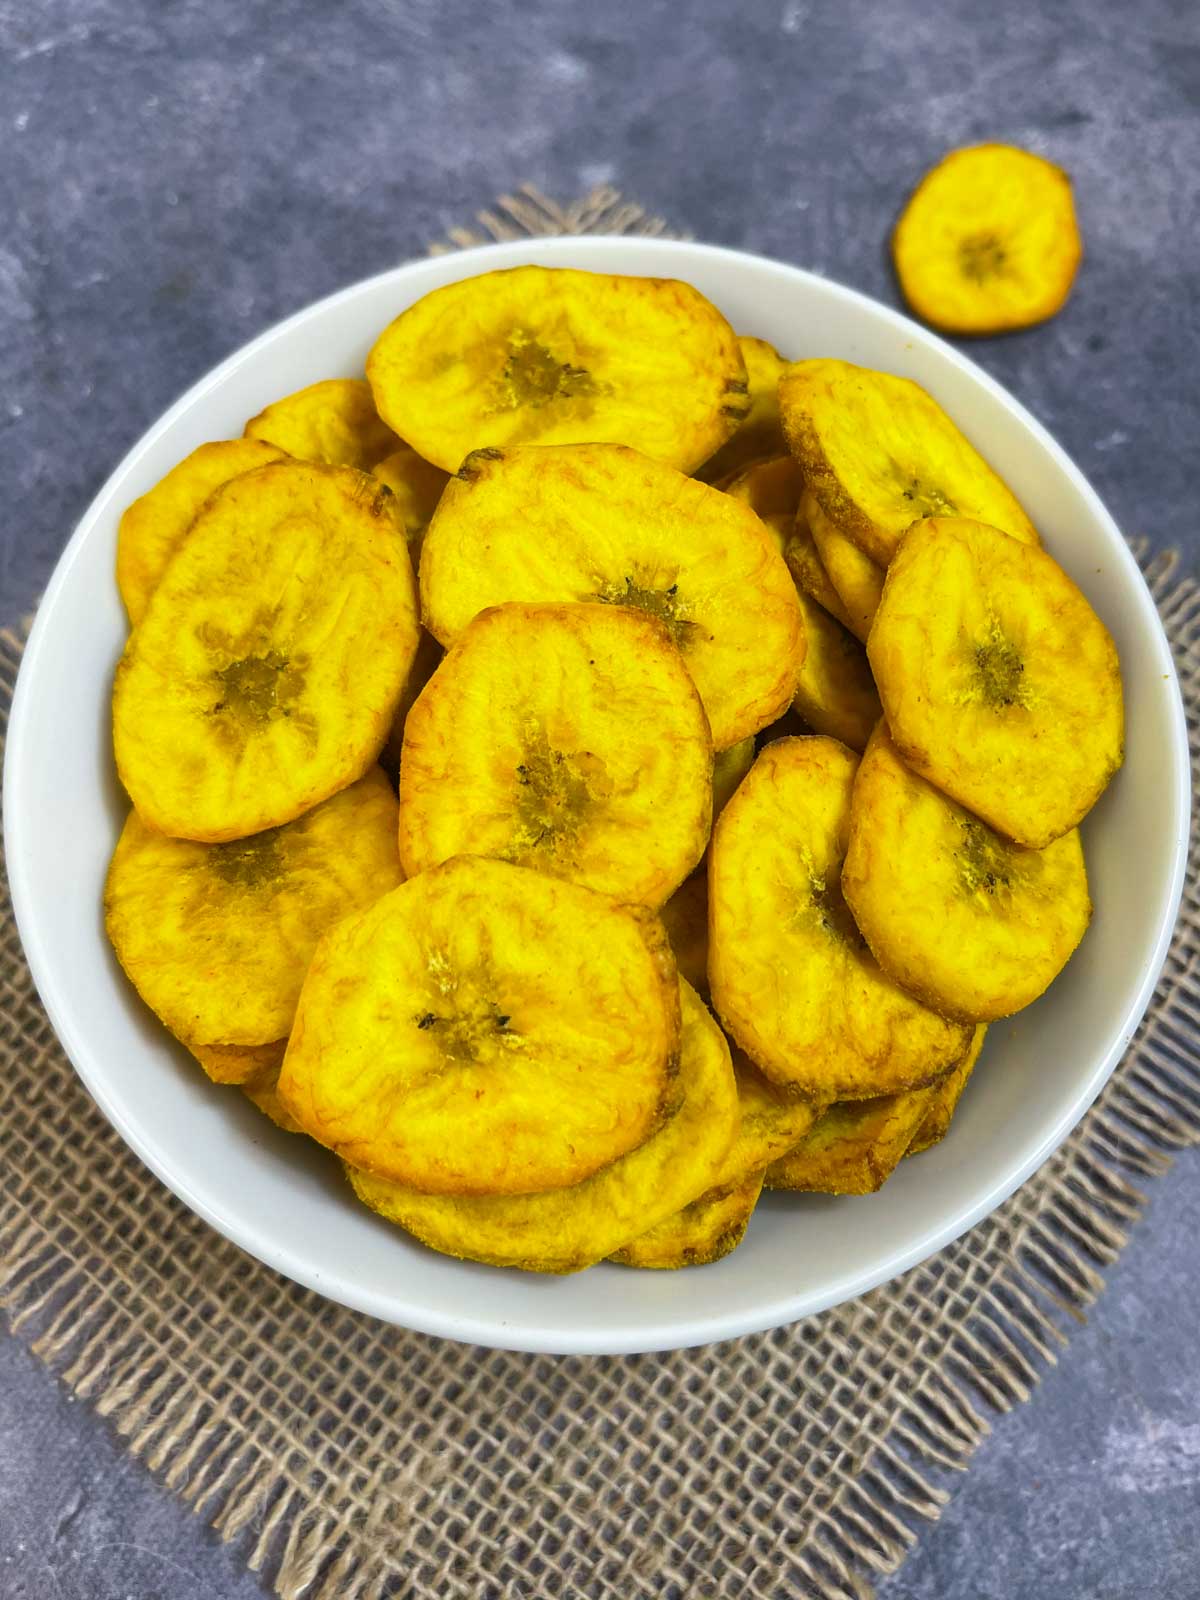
<point>661,602</point>
<point>259,688</point>
<point>982,256</point>
<point>532,377</point>
<point>248,863</point>
<point>464,1024</point>
<point>985,864</point>
<point>555,792</point>
<point>925,499</point>
<point>999,671</point>
<point>463,1033</point>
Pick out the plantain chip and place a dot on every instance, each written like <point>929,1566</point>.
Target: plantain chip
<point>760,434</point>
<point>685,917</point>
<point>988,241</point>
<point>428,658</point>
<point>946,1095</point>
<point>568,738</point>
<point>567,1229</point>
<point>974,926</point>
<point>262,1091</point>
<point>600,522</point>
<point>217,938</point>
<point>730,766</point>
<point>417,485</point>
<point>240,1063</point>
<point>772,1123</point>
<point>770,487</point>
<point>231,711</point>
<point>333,421</point>
<point>836,694</point>
<point>779,530</point>
<point>808,571</point>
<point>856,579</point>
<point>877,452</point>
<point>855,1147</point>
<point>791,978</point>
<point>556,356</point>
<point>153,527</point>
<point>1000,683</point>
<point>711,1227</point>
<point>791,725</point>
<point>485,1029</point>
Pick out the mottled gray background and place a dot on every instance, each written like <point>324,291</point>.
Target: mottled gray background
<point>175,175</point>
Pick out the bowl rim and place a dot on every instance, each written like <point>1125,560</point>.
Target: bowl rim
<point>482,1329</point>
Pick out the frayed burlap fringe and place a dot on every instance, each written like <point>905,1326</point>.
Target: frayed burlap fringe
<point>352,1461</point>
<point>529,214</point>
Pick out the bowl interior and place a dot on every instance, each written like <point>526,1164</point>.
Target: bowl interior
<point>283,1199</point>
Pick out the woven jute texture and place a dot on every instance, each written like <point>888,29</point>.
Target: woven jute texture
<point>351,1460</point>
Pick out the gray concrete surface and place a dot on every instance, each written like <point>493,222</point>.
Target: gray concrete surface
<point>175,175</point>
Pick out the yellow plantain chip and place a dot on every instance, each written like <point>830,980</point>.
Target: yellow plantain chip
<point>791,978</point>
<point>555,356</point>
<point>153,527</point>
<point>485,1029</point>
<point>836,694</point>
<point>760,434</point>
<point>232,707</point>
<point>711,1227</point>
<point>730,766</point>
<point>217,938</point>
<point>600,522</point>
<point>771,487</point>
<point>946,1095</point>
<point>878,452</point>
<point>855,1147</point>
<point>685,917</point>
<point>567,1229</point>
<point>428,658</point>
<point>262,1091</point>
<point>772,1123</point>
<point>808,571</point>
<point>779,529</point>
<point>791,725</point>
<point>568,738</point>
<point>417,485</point>
<point>974,926</point>
<point>988,241</point>
<point>333,421</point>
<point>1000,683</point>
<point>857,580</point>
<point>237,1063</point>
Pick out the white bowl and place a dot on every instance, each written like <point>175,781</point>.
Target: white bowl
<point>283,1199</point>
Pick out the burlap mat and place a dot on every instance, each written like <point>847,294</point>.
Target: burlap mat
<point>352,1460</point>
